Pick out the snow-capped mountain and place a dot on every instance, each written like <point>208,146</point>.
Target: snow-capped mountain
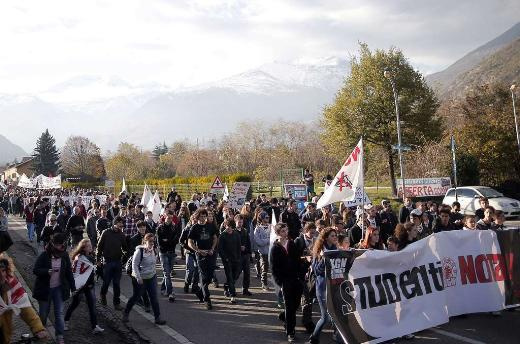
<point>109,110</point>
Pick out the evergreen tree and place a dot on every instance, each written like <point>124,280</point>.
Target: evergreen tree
<point>46,155</point>
<point>159,150</point>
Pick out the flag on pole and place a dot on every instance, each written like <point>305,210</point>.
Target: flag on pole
<point>226,193</point>
<point>454,160</point>
<point>347,180</point>
<point>147,196</point>
<point>154,205</point>
<point>272,239</point>
<point>123,187</point>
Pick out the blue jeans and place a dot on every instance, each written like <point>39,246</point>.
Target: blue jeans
<point>90,296</point>
<point>192,275</point>
<point>324,318</point>
<point>30,231</point>
<point>167,260</point>
<point>112,272</point>
<point>56,298</point>
<point>149,286</point>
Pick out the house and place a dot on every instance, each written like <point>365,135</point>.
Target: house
<point>13,172</point>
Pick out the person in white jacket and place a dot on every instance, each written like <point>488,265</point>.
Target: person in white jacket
<point>261,236</point>
<point>143,270</point>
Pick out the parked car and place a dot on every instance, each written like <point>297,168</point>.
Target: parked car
<point>468,197</point>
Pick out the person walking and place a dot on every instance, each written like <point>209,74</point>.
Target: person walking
<point>168,234</point>
<point>29,219</point>
<point>262,238</point>
<point>144,271</point>
<point>111,247</point>
<point>54,282</point>
<point>83,260</point>
<point>245,253</point>
<point>229,248</point>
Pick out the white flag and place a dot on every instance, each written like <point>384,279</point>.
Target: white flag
<point>123,187</point>
<point>272,239</point>
<point>147,196</point>
<point>154,205</point>
<point>82,268</point>
<point>347,180</point>
<point>226,193</point>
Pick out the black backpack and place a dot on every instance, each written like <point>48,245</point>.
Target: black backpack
<point>128,266</point>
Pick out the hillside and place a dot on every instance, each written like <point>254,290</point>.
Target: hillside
<point>9,151</point>
<point>447,83</point>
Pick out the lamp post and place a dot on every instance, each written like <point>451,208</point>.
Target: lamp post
<point>389,76</point>
<point>513,88</point>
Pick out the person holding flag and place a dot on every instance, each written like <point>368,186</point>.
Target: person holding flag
<point>83,268</point>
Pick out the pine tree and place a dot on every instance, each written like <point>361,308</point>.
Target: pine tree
<point>46,155</point>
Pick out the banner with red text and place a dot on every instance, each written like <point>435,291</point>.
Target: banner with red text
<point>374,296</point>
<point>424,187</point>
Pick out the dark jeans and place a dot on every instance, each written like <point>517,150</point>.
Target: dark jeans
<point>307,298</point>
<point>232,270</point>
<point>144,299</point>
<point>90,296</point>
<point>56,297</point>
<point>246,269</point>
<point>112,272</point>
<point>292,293</point>
<point>206,271</point>
<point>149,286</point>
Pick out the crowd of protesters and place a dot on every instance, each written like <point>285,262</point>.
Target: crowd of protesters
<point>121,237</point>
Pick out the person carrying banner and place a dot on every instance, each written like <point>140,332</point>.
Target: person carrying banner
<point>54,282</point>
<point>443,223</point>
<point>10,303</point>
<point>327,240</point>
<point>286,270</point>
<point>83,268</point>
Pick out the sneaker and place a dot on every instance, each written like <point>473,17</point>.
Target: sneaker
<point>409,336</point>
<point>209,306</point>
<point>171,298</point>
<point>246,293</point>
<point>98,330</point>
<point>290,338</point>
<point>103,300</point>
<point>265,287</point>
<point>67,326</point>
<point>118,307</point>
<point>233,300</point>
<point>186,288</point>
<point>226,293</point>
<point>159,321</point>
<point>125,318</point>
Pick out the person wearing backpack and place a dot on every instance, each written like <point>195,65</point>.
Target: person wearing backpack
<point>135,241</point>
<point>144,271</point>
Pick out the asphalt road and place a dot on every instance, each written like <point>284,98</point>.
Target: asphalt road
<point>254,319</point>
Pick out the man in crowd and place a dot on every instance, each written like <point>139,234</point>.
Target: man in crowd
<point>91,225</point>
<point>443,223</point>
<point>388,220</point>
<point>168,236</point>
<point>29,219</point>
<point>311,215</point>
<point>290,217</point>
<point>130,221</point>
<point>111,247</point>
<point>103,222</point>
<point>483,202</point>
<point>308,179</point>
<point>75,226</point>
<point>406,208</point>
<point>456,217</point>
<point>245,250</point>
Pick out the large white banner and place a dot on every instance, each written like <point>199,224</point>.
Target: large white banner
<point>85,200</point>
<point>238,195</point>
<point>424,187</point>
<point>375,295</point>
<point>347,180</point>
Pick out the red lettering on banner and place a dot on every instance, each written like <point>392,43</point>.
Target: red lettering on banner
<point>467,270</point>
<point>498,262</point>
<point>430,191</point>
<point>419,191</point>
<point>83,268</point>
<point>354,156</point>
<point>481,262</point>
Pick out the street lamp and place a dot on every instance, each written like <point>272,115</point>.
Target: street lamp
<point>390,77</point>
<point>513,88</point>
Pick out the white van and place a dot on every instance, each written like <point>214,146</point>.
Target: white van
<point>468,197</point>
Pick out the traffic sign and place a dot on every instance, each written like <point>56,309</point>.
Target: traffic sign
<point>217,184</point>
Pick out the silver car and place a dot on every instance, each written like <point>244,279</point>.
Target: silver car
<point>468,197</point>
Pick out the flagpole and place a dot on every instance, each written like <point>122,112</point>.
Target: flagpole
<point>362,188</point>
<point>454,166</point>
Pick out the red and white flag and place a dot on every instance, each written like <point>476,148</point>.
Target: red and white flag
<point>347,180</point>
<point>17,298</point>
<point>82,268</point>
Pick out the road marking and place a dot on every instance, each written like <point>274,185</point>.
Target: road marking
<point>456,336</point>
<point>165,328</point>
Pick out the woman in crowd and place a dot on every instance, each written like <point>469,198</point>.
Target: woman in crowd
<point>83,256</point>
<point>327,240</point>
<point>262,238</point>
<point>469,223</point>
<point>144,271</point>
<point>212,222</point>
<point>371,240</point>
<point>406,234</point>
<point>54,282</point>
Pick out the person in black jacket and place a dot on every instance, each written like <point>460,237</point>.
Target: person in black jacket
<point>49,230</point>
<point>191,277</point>
<point>405,210</point>
<point>443,223</point>
<point>75,226</point>
<point>40,217</point>
<point>388,220</point>
<point>286,269</point>
<point>291,218</point>
<point>229,249</point>
<point>245,258</point>
<point>102,223</point>
<point>54,282</point>
<point>168,235</point>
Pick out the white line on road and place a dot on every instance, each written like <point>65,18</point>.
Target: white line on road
<point>456,336</point>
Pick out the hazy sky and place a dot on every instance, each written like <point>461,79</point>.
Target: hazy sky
<point>180,43</point>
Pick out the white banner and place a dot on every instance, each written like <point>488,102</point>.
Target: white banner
<point>424,187</point>
<point>349,177</point>
<point>82,268</point>
<point>85,200</point>
<point>238,195</point>
<point>378,295</point>
<point>25,182</point>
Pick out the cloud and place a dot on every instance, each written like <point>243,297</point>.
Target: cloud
<point>194,41</point>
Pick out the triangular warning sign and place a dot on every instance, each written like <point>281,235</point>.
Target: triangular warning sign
<point>217,184</point>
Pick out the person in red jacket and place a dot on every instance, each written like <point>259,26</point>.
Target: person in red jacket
<point>29,219</point>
